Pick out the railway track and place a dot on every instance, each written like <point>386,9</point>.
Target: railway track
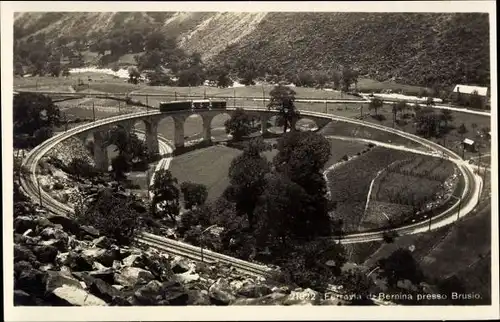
<point>30,186</point>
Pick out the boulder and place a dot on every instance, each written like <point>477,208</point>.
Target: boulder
<point>133,261</point>
<point>22,298</point>
<point>186,277</point>
<point>103,256</point>
<point>131,276</point>
<point>31,281</point>
<point>23,253</point>
<point>102,242</point>
<point>54,233</point>
<point>158,265</point>
<point>221,293</point>
<point>23,223</point>
<point>149,294</point>
<point>180,265</point>
<point>68,224</point>
<point>89,232</point>
<point>255,290</point>
<point>59,244</point>
<point>45,254</point>
<point>21,266</point>
<point>43,222</point>
<point>29,233</point>
<point>281,289</point>
<point>107,274</point>
<point>103,290</point>
<point>75,261</point>
<point>174,294</point>
<point>75,296</point>
<point>198,297</point>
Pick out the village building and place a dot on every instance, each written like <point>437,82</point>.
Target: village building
<point>464,93</point>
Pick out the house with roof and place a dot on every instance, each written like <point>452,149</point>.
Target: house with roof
<point>464,93</point>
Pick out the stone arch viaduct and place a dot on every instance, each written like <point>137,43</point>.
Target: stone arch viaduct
<point>151,121</point>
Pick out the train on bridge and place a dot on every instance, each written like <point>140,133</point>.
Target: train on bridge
<point>192,105</point>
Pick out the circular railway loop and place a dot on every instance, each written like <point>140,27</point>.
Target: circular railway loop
<point>468,199</point>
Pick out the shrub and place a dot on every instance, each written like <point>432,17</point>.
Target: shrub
<point>114,214</point>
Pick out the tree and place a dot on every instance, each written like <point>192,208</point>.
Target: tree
<point>223,80</point>
<point>304,79</point>
<point>400,107</point>
<point>476,101</point>
<point>133,74</point>
<point>239,125</point>
<point>193,76</point>
<point>114,214</point>
<point>246,181</point>
<point>336,79</point>
<point>427,122</point>
<point>282,99</point>
<point>65,71</point>
<point>320,78</point>
<point>120,165</point>
<point>375,104</point>
<point>194,194</point>
<point>81,168</point>
<point>34,112</point>
<point>430,101</point>
<point>165,195</point>
<point>462,129</point>
<point>301,157</point>
<point>349,77</point>
<point>446,117</point>
<point>400,265</point>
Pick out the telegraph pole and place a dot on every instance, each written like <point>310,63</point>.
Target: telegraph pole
<point>234,97</point>
<point>93,110</point>
<point>39,190</point>
<point>263,96</point>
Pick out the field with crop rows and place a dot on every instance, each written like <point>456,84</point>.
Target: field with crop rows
<point>349,183</point>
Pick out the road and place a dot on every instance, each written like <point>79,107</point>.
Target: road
<point>469,196</point>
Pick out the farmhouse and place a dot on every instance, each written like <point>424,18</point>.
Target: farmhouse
<point>464,93</point>
<point>469,145</point>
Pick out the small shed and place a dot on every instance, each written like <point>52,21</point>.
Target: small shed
<point>469,145</point>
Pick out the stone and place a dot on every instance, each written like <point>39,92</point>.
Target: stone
<point>54,233</point>
<point>28,233</point>
<point>255,290</point>
<point>103,256</point>
<point>31,281</point>
<point>77,262</point>
<point>197,297</point>
<point>23,223</point>
<point>68,224</point>
<point>131,276</point>
<point>107,275</point>
<point>221,293</point>
<point>158,265</point>
<point>23,253</point>
<point>180,266</point>
<point>46,254</point>
<point>89,231</point>
<point>103,290</point>
<point>47,267</point>
<point>102,242</point>
<point>22,298</point>
<point>281,289</point>
<point>133,261</point>
<point>150,293</point>
<point>21,266</point>
<point>43,222</point>
<point>76,296</point>
<point>116,265</point>
<point>59,244</point>
<point>186,277</point>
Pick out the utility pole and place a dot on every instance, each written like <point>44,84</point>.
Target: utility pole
<point>263,96</point>
<point>39,191</point>
<point>93,110</point>
<point>147,104</point>
<point>234,97</point>
<point>326,107</point>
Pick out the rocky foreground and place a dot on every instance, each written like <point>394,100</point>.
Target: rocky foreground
<point>57,262</point>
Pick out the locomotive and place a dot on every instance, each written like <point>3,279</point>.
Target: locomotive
<point>192,105</point>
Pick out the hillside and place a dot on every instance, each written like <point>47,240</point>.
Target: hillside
<point>417,49</point>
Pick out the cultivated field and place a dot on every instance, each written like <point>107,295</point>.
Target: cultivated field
<point>349,183</point>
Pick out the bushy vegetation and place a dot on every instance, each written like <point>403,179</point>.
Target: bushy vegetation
<point>113,213</point>
<point>34,117</point>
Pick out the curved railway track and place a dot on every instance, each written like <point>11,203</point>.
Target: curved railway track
<point>468,198</point>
